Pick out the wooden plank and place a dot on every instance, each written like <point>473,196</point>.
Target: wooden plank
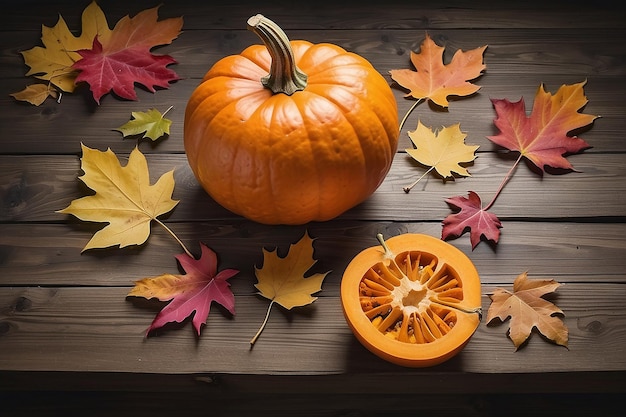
<point>50,255</point>
<point>326,15</point>
<point>520,51</point>
<point>34,187</point>
<point>76,119</point>
<point>221,401</point>
<point>99,330</point>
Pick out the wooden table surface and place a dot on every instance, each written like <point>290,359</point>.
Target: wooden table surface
<point>67,327</point>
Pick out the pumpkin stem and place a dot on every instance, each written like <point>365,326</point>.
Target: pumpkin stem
<point>285,76</point>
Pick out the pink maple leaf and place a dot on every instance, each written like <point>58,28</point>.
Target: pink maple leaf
<point>120,70</point>
<point>190,293</point>
<point>471,217</point>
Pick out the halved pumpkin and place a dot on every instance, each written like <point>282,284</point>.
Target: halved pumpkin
<point>414,301</point>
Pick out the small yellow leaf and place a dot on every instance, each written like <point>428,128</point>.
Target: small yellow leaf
<point>152,124</point>
<point>124,198</point>
<point>36,93</point>
<point>282,280</point>
<point>443,150</point>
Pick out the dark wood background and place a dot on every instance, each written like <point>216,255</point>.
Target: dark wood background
<point>72,343</point>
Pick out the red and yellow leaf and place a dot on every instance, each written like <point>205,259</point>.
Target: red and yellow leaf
<point>543,137</point>
<point>125,58</point>
<point>191,293</point>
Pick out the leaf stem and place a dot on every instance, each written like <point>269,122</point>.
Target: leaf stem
<point>503,183</point>
<point>165,112</point>
<point>408,188</point>
<point>175,237</point>
<point>409,112</point>
<point>267,316</point>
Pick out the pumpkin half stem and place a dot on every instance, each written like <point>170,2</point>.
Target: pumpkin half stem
<point>284,77</point>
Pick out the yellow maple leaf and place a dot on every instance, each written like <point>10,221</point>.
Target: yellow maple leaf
<point>53,62</point>
<point>443,151</point>
<point>282,280</point>
<point>124,198</point>
<point>527,310</point>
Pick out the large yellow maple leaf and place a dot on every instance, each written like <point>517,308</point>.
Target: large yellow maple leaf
<point>53,62</point>
<point>124,198</point>
<point>434,80</point>
<point>282,281</point>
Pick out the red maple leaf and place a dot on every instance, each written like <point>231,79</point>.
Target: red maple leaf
<point>543,137</point>
<point>123,58</point>
<point>471,216</point>
<point>189,293</point>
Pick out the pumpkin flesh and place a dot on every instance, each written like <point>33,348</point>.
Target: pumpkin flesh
<point>417,308</point>
<point>290,159</point>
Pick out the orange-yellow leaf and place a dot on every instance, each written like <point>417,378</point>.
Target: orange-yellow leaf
<point>434,80</point>
<point>444,150</point>
<point>543,137</point>
<point>36,93</point>
<point>283,281</point>
<point>527,310</point>
<point>124,198</point>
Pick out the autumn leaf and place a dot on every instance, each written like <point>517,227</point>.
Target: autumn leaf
<point>472,216</point>
<point>125,58</point>
<point>53,62</point>
<point>36,93</point>
<point>282,280</point>
<point>124,198</point>
<point>152,124</point>
<point>434,80</point>
<point>190,293</point>
<point>443,151</point>
<point>527,310</point>
<point>543,137</point>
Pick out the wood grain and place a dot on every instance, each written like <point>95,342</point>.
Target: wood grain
<point>73,343</point>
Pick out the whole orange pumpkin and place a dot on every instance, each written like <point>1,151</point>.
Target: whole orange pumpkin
<point>290,132</point>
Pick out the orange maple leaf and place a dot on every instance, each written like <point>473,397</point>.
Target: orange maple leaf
<point>435,81</point>
<point>527,310</point>
<point>543,137</point>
